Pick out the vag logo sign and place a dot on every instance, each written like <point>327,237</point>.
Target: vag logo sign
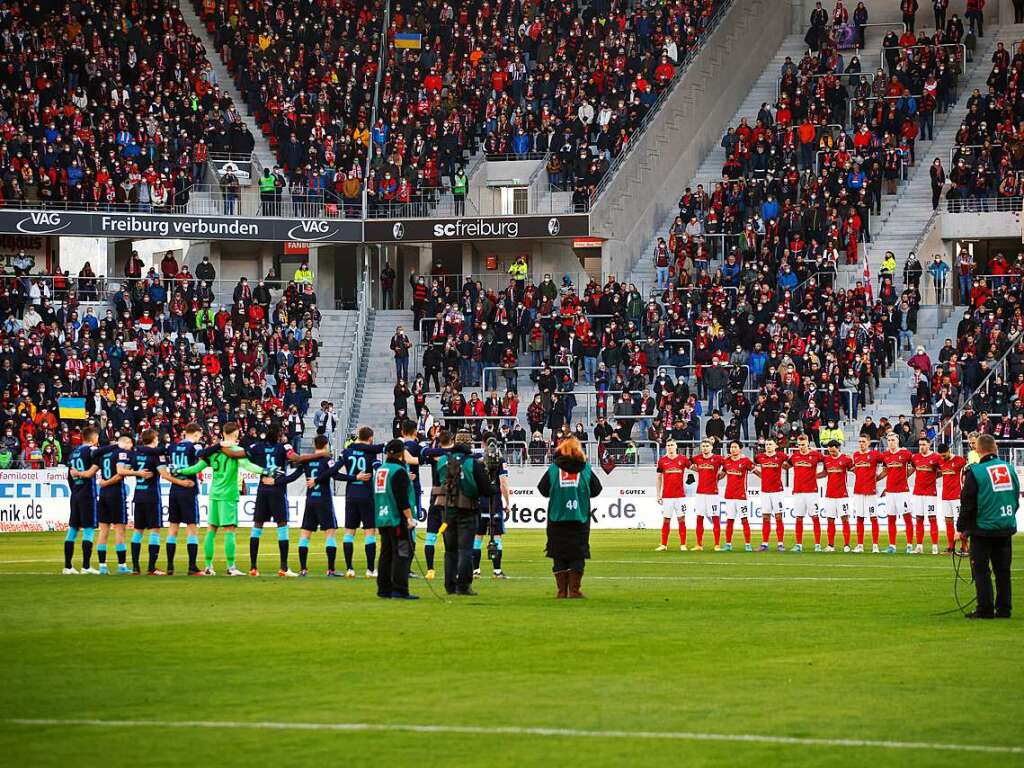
<point>42,224</point>
<point>312,229</point>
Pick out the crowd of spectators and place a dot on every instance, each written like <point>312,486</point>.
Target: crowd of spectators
<point>107,106</point>
<point>513,79</point>
<point>756,358</point>
<point>158,349</point>
<point>989,155</point>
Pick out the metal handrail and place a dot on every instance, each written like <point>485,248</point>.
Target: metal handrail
<point>968,399</point>
<point>655,109</point>
<point>960,147</point>
<point>993,204</point>
<point>362,319</point>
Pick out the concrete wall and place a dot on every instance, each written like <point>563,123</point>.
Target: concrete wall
<point>979,226</point>
<point>688,125</point>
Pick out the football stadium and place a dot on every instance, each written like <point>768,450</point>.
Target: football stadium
<point>601,382</point>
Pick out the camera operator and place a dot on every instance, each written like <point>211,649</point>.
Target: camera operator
<point>492,511</point>
<point>435,509</point>
<point>465,481</point>
<point>988,516</point>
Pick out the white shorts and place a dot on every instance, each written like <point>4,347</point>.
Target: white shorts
<point>924,506</point>
<point>771,503</point>
<point>833,508</point>
<point>705,504</point>
<point>866,506</point>
<point>950,508</point>
<point>803,504</point>
<point>671,508</point>
<point>735,508</point>
<point>896,504</point>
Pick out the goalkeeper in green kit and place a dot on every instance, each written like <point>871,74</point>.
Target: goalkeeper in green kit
<point>223,495</point>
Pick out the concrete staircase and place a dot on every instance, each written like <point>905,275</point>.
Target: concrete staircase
<point>907,215</point>
<point>892,395</point>
<point>336,330</point>
<point>264,154</point>
<point>373,404</point>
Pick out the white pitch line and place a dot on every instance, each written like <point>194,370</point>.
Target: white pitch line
<point>844,580</point>
<point>941,566</point>
<point>478,730</point>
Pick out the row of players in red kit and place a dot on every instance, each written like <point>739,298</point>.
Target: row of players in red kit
<point>895,466</point>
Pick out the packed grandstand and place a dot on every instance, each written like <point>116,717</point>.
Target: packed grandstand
<point>749,332</point>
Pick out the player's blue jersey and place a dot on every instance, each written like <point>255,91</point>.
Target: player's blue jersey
<point>147,459</point>
<point>108,468</point>
<point>273,457</point>
<point>181,455</point>
<point>359,458</point>
<point>82,458</point>
<point>325,470</point>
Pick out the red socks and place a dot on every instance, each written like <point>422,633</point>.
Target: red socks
<point>950,533</point>
<point>920,530</point>
<point>846,530</point>
<point>816,522</point>
<point>892,531</point>
<point>728,531</point>
<point>717,523</point>
<point>874,530</point>
<point>860,530</point>
<point>700,530</point>
<point>831,532</point>
<point>746,531</point>
<point>933,529</point>
<point>766,528</point>
<point>799,530</point>
<point>666,529</point>
<point>780,529</point>
<point>908,521</point>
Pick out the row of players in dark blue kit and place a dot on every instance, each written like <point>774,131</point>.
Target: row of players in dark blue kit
<point>99,500</point>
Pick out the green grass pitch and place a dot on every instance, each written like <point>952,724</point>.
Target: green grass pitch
<point>819,647</point>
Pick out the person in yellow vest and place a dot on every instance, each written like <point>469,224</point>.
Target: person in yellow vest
<point>973,457</point>
<point>460,188</point>
<point>518,272</point>
<point>832,432</point>
<point>303,275</point>
<point>267,189</point>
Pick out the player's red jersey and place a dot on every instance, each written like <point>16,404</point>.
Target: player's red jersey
<point>672,472</point>
<point>707,472</point>
<point>805,471</point>
<point>771,471</point>
<point>865,470</point>
<point>927,475</point>
<point>836,468</point>
<point>736,476</point>
<point>896,463</point>
<point>952,477</point>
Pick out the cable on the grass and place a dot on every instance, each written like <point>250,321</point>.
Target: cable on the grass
<point>419,566</point>
<point>958,556</point>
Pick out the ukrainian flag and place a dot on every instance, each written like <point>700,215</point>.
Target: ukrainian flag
<point>408,40</point>
<point>71,407</point>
